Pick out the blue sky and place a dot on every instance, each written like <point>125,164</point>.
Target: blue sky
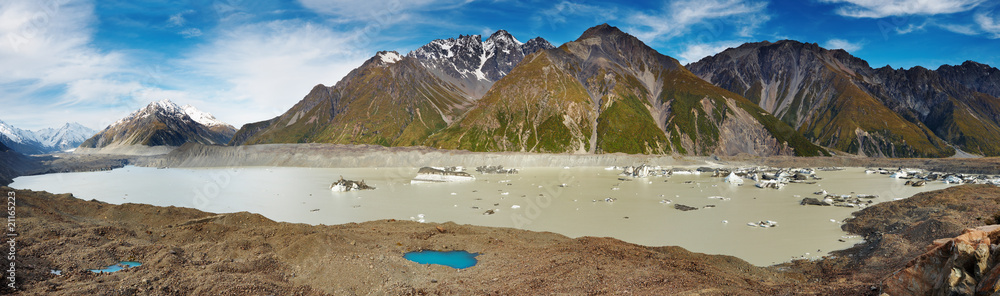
<point>93,62</point>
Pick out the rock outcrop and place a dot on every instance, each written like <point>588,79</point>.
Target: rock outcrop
<point>964,265</point>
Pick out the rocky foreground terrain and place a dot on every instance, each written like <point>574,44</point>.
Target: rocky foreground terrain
<point>186,251</point>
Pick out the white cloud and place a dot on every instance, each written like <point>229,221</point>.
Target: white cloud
<point>382,11</point>
<point>886,8</point>
<point>178,20</point>
<point>695,52</point>
<point>270,66</point>
<point>843,44</point>
<point>678,17</point>
<point>910,29</point>
<point>988,24</point>
<point>560,12</point>
<point>960,29</point>
<point>191,32</point>
<point>44,47</point>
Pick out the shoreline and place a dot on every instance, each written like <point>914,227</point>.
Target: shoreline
<point>186,251</point>
<point>351,156</point>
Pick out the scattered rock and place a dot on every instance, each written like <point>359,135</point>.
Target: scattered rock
<point>684,207</point>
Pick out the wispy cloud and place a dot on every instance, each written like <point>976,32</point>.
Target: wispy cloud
<point>960,29</point>
<point>178,20</point>
<point>695,52</point>
<point>191,32</point>
<point>886,8</point>
<point>46,47</point>
<point>988,24</point>
<point>836,43</point>
<point>677,18</point>
<point>568,11</point>
<point>269,66</point>
<point>377,10</point>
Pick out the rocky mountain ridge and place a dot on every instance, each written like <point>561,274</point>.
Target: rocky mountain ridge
<point>609,92</point>
<point>606,92</point>
<point>396,100</point>
<point>163,123</point>
<point>839,101</point>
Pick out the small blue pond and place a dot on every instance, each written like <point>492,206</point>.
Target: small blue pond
<point>456,259</point>
<point>117,267</point>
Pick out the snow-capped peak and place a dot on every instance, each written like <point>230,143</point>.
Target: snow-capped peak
<point>202,117</point>
<point>12,133</point>
<point>390,57</point>
<point>168,108</point>
<point>470,57</point>
<point>504,36</point>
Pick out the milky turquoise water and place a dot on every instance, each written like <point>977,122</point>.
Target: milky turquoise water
<point>117,267</point>
<point>455,259</point>
<point>532,200</point>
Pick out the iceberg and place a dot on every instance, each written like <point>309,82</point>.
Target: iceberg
<point>432,175</point>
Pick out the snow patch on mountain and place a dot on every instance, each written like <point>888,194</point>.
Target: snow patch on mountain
<point>390,57</point>
<point>201,117</point>
<point>470,57</point>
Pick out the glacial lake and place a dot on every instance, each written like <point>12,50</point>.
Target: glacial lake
<point>532,200</point>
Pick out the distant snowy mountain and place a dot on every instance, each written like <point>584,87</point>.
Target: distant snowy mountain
<point>163,123</point>
<point>67,137</point>
<point>46,140</point>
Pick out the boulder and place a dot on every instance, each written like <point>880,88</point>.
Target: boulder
<point>809,201</point>
<point>964,265</point>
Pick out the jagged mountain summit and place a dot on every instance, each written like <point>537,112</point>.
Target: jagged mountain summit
<point>397,100</point>
<point>473,64</point>
<point>46,140</point>
<point>163,123</point>
<point>839,101</point>
<point>609,92</point>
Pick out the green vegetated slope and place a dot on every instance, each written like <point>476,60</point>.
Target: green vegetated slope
<point>386,103</point>
<point>538,107</point>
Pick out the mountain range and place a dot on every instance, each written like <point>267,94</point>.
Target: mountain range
<point>163,123</point>
<point>605,92</point>
<point>46,140</point>
<point>839,101</point>
<point>608,92</point>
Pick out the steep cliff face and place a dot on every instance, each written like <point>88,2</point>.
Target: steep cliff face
<point>823,93</point>
<point>975,76</point>
<point>946,101</point>
<point>609,92</point>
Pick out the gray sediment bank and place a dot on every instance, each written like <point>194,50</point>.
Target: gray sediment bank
<point>348,156</point>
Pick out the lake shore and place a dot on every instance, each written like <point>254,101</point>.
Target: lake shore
<point>186,251</point>
<point>351,156</point>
